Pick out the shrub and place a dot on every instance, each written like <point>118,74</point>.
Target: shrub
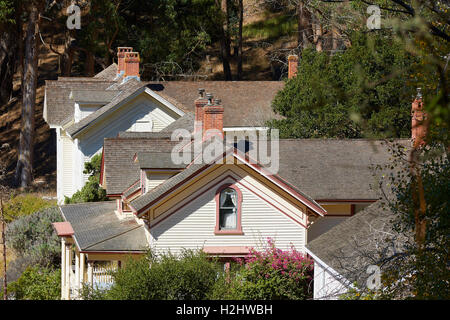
<point>271,274</point>
<point>37,283</point>
<point>188,276</point>
<point>34,236</point>
<point>23,205</point>
<point>91,191</point>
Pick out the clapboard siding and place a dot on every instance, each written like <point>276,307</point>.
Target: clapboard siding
<point>67,166</point>
<point>91,143</point>
<point>155,179</point>
<point>192,226</point>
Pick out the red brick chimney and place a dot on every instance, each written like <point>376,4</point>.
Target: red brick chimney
<point>200,102</point>
<point>419,122</point>
<point>131,62</point>
<point>212,118</point>
<point>293,66</point>
<point>121,58</point>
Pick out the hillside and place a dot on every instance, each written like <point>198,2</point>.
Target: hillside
<point>268,37</point>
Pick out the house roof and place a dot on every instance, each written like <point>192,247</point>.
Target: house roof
<point>364,239</point>
<point>337,169</point>
<point>157,160</point>
<point>319,169</point>
<point>97,228</point>
<point>248,103</point>
<point>120,171</point>
<point>144,201</point>
<point>59,105</point>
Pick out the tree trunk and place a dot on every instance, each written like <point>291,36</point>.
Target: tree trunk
<point>89,64</point>
<point>5,282</point>
<point>8,48</point>
<point>239,58</point>
<point>225,40</point>
<point>304,26</point>
<point>24,168</point>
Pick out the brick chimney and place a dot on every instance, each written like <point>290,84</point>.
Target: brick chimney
<point>419,122</point>
<point>121,58</point>
<point>212,118</point>
<point>293,66</point>
<point>131,67</point>
<point>200,102</point>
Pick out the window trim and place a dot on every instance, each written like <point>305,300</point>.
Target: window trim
<point>238,230</point>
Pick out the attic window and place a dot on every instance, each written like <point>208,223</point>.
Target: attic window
<point>143,124</point>
<point>228,216</point>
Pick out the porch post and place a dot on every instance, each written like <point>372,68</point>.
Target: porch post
<point>81,270</point>
<point>77,269</point>
<point>68,270</point>
<point>63,268</point>
<point>90,273</point>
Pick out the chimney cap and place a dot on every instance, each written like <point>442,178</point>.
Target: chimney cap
<point>293,57</point>
<point>217,101</point>
<point>201,91</point>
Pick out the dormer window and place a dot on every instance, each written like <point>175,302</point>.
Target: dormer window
<point>228,217</point>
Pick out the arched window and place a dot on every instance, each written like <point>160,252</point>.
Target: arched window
<point>228,218</point>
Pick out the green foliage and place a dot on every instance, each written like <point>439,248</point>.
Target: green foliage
<point>425,272</point>
<point>91,191</point>
<point>23,205</point>
<point>171,35</point>
<point>361,92</point>
<point>6,9</point>
<point>37,283</point>
<point>33,236</point>
<point>189,276</point>
<point>271,27</point>
<point>272,274</point>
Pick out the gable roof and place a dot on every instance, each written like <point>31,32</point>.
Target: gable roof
<point>120,170</point>
<point>248,103</point>
<point>146,200</point>
<point>359,241</point>
<point>97,228</point>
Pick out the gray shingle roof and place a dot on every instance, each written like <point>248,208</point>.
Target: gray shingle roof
<point>109,73</point>
<point>97,228</point>
<point>130,88</point>
<point>94,96</point>
<point>333,168</point>
<point>57,93</point>
<point>119,168</point>
<point>319,169</point>
<point>364,239</point>
<point>185,122</point>
<point>157,160</point>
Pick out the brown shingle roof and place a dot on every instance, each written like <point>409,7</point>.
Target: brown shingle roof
<point>247,103</point>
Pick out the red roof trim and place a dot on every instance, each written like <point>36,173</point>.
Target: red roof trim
<point>63,229</point>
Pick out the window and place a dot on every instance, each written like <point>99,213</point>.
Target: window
<point>228,219</point>
<point>143,124</point>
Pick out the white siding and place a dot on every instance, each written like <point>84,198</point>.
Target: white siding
<point>67,166</point>
<point>155,179</point>
<point>326,285</point>
<point>193,225</point>
<point>91,143</point>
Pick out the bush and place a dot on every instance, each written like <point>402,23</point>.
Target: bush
<point>34,236</point>
<point>37,283</point>
<point>23,205</point>
<point>91,191</point>
<point>272,274</point>
<point>189,276</point>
